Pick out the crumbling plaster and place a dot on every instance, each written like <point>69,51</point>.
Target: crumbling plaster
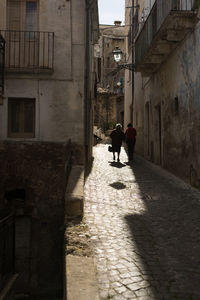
<point>176,88</point>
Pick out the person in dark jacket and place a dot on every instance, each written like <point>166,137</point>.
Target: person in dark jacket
<point>130,135</point>
<point>117,136</point>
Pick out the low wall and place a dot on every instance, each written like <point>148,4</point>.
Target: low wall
<point>33,183</point>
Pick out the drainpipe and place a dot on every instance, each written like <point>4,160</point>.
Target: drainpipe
<point>87,104</point>
<point>132,55</point>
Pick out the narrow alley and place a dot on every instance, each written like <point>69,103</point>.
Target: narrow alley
<point>145,226</point>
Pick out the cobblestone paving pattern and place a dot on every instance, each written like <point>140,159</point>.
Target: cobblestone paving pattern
<point>145,225</point>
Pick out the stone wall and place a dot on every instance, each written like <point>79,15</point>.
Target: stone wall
<point>170,106</point>
<point>33,184</point>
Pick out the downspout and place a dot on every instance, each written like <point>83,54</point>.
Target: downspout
<point>87,103</point>
<point>132,58</point>
<point>102,63</point>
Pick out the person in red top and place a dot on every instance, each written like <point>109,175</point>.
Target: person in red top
<point>130,135</point>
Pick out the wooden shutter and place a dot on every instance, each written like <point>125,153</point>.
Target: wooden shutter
<point>14,14</point>
<point>21,118</point>
<point>29,116</point>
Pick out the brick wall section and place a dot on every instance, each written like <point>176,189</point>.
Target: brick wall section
<point>41,169</point>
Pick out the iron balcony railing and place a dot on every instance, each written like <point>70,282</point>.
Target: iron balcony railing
<point>2,63</point>
<point>28,50</point>
<point>160,10</point>
<point>6,249</point>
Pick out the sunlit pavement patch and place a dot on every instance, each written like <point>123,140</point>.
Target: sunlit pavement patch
<point>144,230</point>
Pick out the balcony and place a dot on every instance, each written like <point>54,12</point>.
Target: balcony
<point>166,26</point>
<point>28,51</point>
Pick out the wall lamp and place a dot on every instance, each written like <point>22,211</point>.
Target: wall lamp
<point>117,54</point>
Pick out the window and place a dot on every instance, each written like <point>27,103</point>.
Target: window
<point>31,16</point>
<point>22,15</point>
<point>21,118</point>
<point>108,62</point>
<point>14,15</point>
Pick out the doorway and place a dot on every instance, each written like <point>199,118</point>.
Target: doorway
<point>147,129</point>
<point>22,238</point>
<point>159,132</point>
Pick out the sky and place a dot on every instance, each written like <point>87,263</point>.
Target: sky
<point>110,11</point>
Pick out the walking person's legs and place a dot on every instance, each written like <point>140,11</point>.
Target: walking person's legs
<point>130,150</point>
<point>118,154</point>
<point>113,155</point>
<point>134,146</point>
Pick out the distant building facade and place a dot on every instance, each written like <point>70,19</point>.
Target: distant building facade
<point>109,108</point>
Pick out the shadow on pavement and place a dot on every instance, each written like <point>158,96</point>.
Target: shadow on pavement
<point>167,234</point>
<point>116,164</point>
<point>118,185</point>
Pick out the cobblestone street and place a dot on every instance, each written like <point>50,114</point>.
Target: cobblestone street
<point>145,226</point>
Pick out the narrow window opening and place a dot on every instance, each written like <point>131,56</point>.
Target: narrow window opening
<point>15,194</point>
<point>176,106</point>
<point>21,118</point>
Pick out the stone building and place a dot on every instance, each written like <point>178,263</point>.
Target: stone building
<point>109,108</point>
<point>166,85</point>
<point>106,109</point>
<point>45,126</point>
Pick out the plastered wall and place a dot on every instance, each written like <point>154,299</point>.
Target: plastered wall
<point>171,99</point>
<point>60,95</point>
